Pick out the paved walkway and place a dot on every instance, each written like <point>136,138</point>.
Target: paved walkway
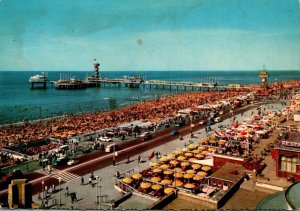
<point>87,194</point>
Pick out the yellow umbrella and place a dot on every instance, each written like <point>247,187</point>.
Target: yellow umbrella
<point>188,154</point>
<point>188,176</point>
<point>136,176</point>
<point>177,183</point>
<point>155,179</point>
<point>189,185</point>
<point>145,185</point>
<point>127,180</point>
<point>211,149</point>
<point>205,152</point>
<point>212,141</point>
<point>222,142</point>
<point>192,159</point>
<point>204,139</point>
<point>174,162</point>
<point>156,187</point>
<point>166,182</point>
<point>168,172</point>
<point>185,163</point>
<point>171,155</point>
<point>195,151</point>
<point>178,175</point>
<point>199,156</point>
<point>212,136</point>
<point>206,168</point>
<point>169,190</point>
<point>197,178</point>
<point>164,159</point>
<point>157,170</point>
<point>191,147</point>
<point>178,152</point>
<point>154,164</point>
<point>177,169</point>
<point>165,166</point>
<point>181,158</point>
<point>196,166</point>
<point>202,173</point>
<point>202,147</point>
<point>191,171</point>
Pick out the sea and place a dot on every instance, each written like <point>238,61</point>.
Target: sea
<point>18,101</point>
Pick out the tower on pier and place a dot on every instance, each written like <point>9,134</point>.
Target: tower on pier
<point>96,68</point>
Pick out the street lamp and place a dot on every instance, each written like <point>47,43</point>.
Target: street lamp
<point>43,195</point>
<point>59,180</point>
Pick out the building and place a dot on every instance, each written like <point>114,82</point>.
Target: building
<point>19,194</point>
<point>287,156</point>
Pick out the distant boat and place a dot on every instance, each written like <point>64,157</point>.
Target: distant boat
<point>40,78</point>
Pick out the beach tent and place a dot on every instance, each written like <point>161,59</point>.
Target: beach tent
<point>206,162</point>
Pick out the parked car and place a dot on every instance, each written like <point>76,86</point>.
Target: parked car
<point>60,161</point>
<point>105,138</point>
<point>111,148</point>
<point>72,162</point>
<point>147,137</point>
<point>180,124</point>
<point>174,133</point>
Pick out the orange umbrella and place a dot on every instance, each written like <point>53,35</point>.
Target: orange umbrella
<point>196,166</point>
<point>189,185</point>
<point>166,182</point>
<point>202,173</point>
<point>191,147</point>
<point>157,170</point>
<point>185,163</point>
<point>206,168</point>
<point>177,169</point>
<point>171,156</point>
<point>199,156</point>
<point>165,166</point>
<point>154,164</point>
<point>178,152</point>
<point>195,151</point>
<point>169,190</point>
<point>164,159</point>
<point>222,142</point>
<point>174,162</point>
<point>212,141</point>
<point>211,149</point>
<point>197,178</point>
<point>178,175</point>
<point>136,176</point>
<point>177,183</point>
<point>181,158</point>
<point>191,171</point>
<point>188,176</point>
<point>168,172</point>
<point>192,159</point>
<point>155,179</point>
<point>156,187</point>
<point>127,180</point>
<point>145,185</point>
<point>188,154</point>
<point>205,152</point>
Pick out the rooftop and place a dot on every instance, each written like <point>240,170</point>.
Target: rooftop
<point>229,172</point>
<point>290,142</point>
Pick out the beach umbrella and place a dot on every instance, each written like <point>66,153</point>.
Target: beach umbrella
<point>155,179</point>
<point>127,180</point>
<point>168,172</point>
<point>169,190</point>
<point>191,147</point>
<point>188,154</point>
<point>191,171</point>
<point>166,182</point>
<point>206,168</point>
<point>212,149</point>
<point>164,159</point>
<point>178,152</point>
<point>192,159</point>
<point>196,166</point>
<point>174,162</point>
<point>145,185</point>
<point>205,152</point>
<point>197,178</point>
<point>181,158</point>
<point>244,133</point>
<point>157,170</point>
<point>204,140</point>
<point>154,164</point>
<point>189,185</point>
<point>199,156</point>
<point>178,175</point>
<point>202,147</point>
<point>177,183</point>
<point>136,176</point>
<point>222,142</point>
<point>165,166</point>
<point>185,163</point>
<point>171,155</point>
<point>212,141</point>
<point>195,151</point>
<point>177,169</point>
<point>156,187</point>
<point>184,149</point>
<point>188,176</point>
<point>202,173</point>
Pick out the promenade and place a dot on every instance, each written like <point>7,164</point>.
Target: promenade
<point>87,194</point>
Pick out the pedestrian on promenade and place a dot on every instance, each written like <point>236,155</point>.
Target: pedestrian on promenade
<point>67,191</point>
<point>82,181</point>
<point>90,180</point>
<point>139,159</point>
<point>128,161</point>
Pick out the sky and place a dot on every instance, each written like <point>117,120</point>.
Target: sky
<point>141,35</point>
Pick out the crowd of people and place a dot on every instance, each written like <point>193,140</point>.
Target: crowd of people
<point>63,128</point>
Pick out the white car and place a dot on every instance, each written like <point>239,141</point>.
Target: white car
<point>105,138</point>
<point>72,162</point>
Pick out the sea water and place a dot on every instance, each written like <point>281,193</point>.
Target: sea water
<point>18,101</point>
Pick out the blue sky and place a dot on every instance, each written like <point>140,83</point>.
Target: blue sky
<point>149,35</point>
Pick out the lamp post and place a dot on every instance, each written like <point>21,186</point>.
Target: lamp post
<point>98,192</point>
<point>59,180</point>
<point>43,195</point>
